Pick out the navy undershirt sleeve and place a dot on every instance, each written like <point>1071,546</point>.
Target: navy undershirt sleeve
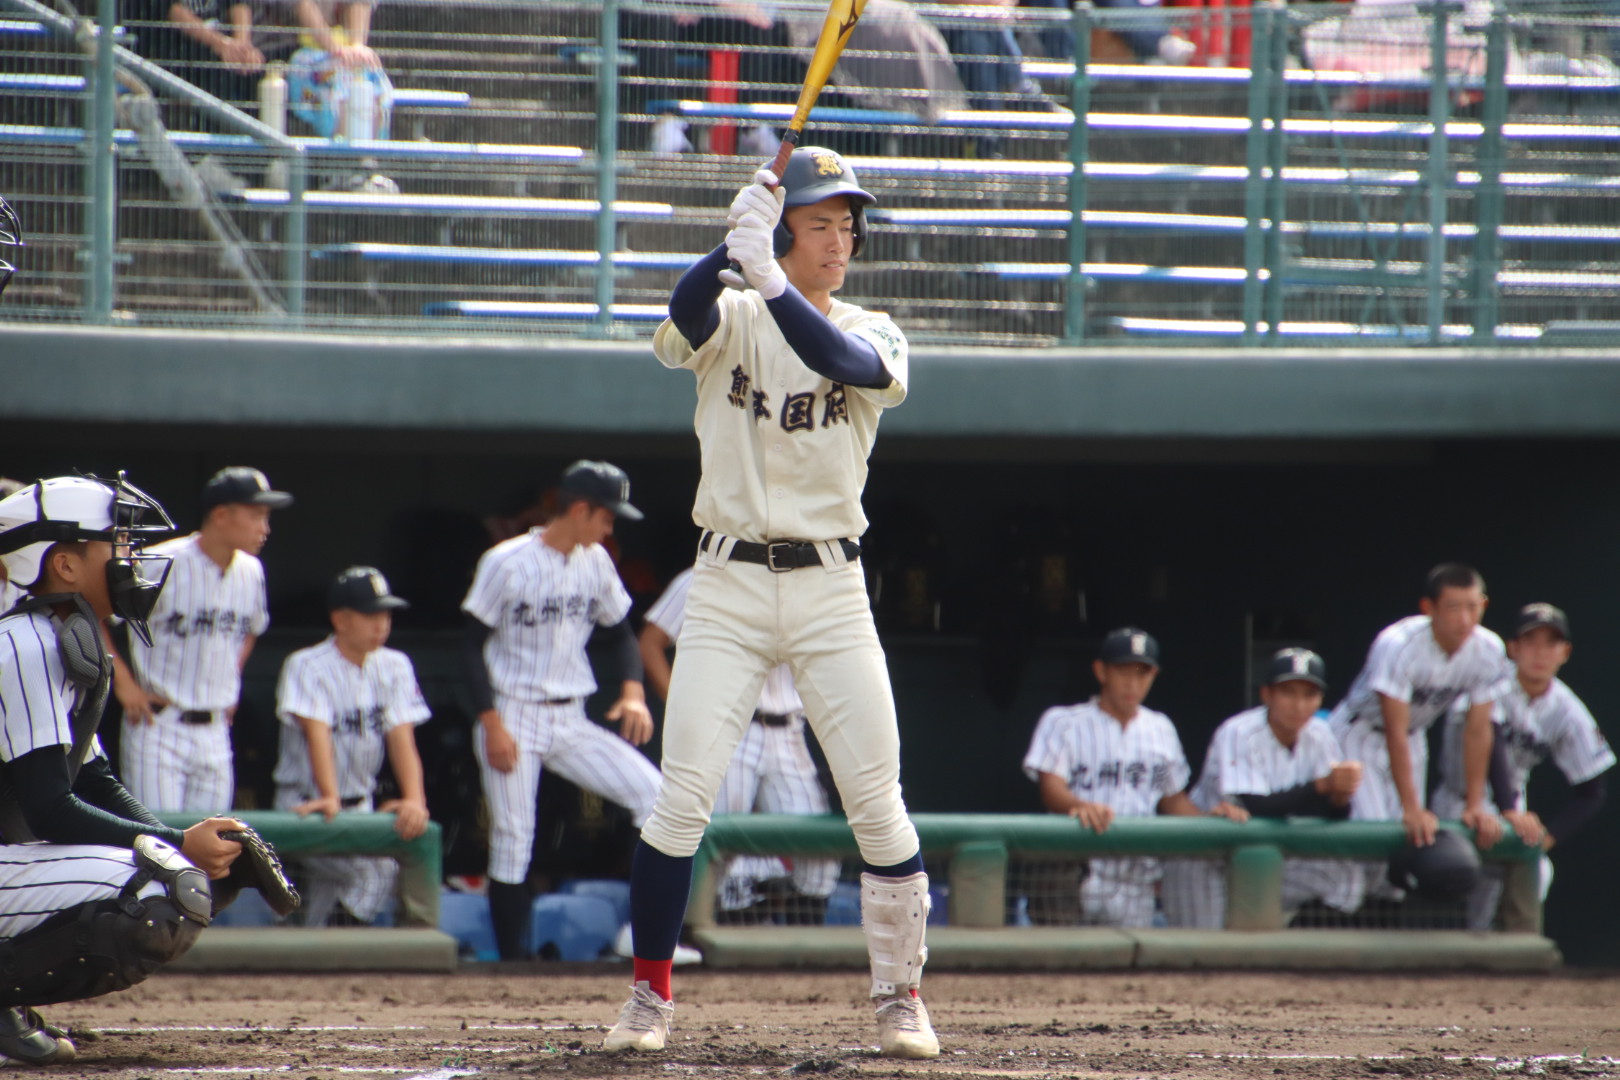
<point>1301,801</point>
<point>58,816</point>
<point>828,351</point>
<point>1503,791</point>
<point>692,302</point>
<point>472,654</point>
<point>1585,799</point>
<point>97,786</point>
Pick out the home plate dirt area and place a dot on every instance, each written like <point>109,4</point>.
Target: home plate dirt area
<point>549,1019</point>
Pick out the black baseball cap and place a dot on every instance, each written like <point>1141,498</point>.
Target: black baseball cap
<point>601,483</point>
<point>240,484</point>
<point>1534,615</point>
<point>362,589</point>
<point>1129,645</point>
<point>1296,665</point>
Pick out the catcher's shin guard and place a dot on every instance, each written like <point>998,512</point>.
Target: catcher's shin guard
<point>894,915</point>
<point>100,946</point>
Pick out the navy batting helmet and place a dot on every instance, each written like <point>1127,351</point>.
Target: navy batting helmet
<point>814,173</point>
<point>1447,869</point>
<point>10,236</point>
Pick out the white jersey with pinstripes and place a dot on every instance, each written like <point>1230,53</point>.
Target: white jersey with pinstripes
<point>778,696</point>
<point>361,703</point>
<point>199,623</point>
<point>784,449</point>
<point>36,696</point>
<point>1407,664</point>
<point>1128,767</point>
<point>9,595</point>
<point>542,605</point>
<point>1246,758</point>
<point>1555,725</point>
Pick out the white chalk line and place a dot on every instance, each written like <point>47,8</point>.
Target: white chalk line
<point>270,1029</point>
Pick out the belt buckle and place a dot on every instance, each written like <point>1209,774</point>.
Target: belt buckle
<point>770,556</point>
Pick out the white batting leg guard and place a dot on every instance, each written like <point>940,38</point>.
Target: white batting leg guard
<point>894,917</point>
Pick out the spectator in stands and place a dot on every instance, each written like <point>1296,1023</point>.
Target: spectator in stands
<point>1149,36</point>
<point>341,30</point>
<point>216,45</point>
<point>1112,757</point>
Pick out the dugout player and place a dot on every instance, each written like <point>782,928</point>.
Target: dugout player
<point>772,772</point>
<point>533,604</point>
<point>1539,718</point>
<point>791,384</point>
<point>181,695</point>
<point>1278,759</point>
<point>1114,757</point>
<point>96,895</point>
<point>344,705</point>
<point>1416,669</point>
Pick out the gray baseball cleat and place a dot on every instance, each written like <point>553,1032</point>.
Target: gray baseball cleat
<point>27,1038</point>
<point>644,1022</point>
<point>903,1027</point>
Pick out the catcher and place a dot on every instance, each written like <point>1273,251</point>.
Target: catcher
<point>98,893</point>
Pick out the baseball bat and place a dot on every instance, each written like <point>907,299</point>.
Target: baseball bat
<point>842,15</point>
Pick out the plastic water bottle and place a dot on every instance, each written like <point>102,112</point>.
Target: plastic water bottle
<point>360,109</point>
<point>273,114</point>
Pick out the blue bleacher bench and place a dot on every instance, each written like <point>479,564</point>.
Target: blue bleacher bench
<point>458,204</point>
<point>30,28</point>
<point>74,84</point>
<point>392,149</point>
<point>435,253</point>
<point>1234,328</point>
<point>1413,80</point>
<point>519,309</point>
<point>437,99</point>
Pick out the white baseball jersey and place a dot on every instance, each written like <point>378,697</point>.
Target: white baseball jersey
<point>9,595</point>
<point>784,449</point>
<point>542,605</point>
<point>1128,767</point>
<point>198,626</point>
<point>1407,664</point>
<point>361,703</point>
<point>779,695</point>
<point>1245,758</point>
<point>1555,725</point>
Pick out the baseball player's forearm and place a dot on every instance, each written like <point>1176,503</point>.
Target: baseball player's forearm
<point>1306,800</point>
<point>828,351</point>
<point>58,816</point>
<point>1504,792</point>
<point>1397,737</point>
<point>472,654</point>
<point>1478,736</point>
<point>1179,805</point>
<point>407,764</point>
<point>654,645</point>
<point>692,302</point>
<point>322,757</point>
<point>1585,800</point>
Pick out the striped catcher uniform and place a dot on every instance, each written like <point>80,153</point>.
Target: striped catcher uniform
<point>36,700</point>
<point>361,703</point>
<point>771,772</point>
<point>541,606</point>
<point>1245,758</point>
<point>1128,767</point>
<point>182,760</point>
<point>1557,726</point>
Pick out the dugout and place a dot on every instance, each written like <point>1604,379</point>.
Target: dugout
<point>1225,500</point>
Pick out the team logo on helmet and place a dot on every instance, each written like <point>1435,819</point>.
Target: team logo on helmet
<point>828,164</point>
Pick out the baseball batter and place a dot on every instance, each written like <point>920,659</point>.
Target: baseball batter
<point>1275,760</point>
<point>1417,667</point>
<point>1539,718</point>
<point>181,696</point>
<point>534,602</point>
<point>344,705</point>
<point>772,772</point>
<point>97,892</point>
<point>1113,757</point>
<point>791,384</point>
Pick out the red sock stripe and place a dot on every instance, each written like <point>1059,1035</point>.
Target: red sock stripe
<point>655,973</point>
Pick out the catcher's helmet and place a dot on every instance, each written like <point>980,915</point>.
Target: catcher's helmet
<point>1447,869</point>
<point>814,173</point>
<point>10,236</point>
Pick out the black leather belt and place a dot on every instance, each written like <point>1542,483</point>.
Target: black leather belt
<point>559,701</point>
<point>771,719</point>
<point>780,556</point>
<point>347,804</point>
<point>196,716</point>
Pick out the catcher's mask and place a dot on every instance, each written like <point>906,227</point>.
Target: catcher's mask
<point>814,173</point>
<point>10,236</point>
<point>75,508</point>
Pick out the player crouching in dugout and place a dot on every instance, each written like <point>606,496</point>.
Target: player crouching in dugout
<point>97,893</point>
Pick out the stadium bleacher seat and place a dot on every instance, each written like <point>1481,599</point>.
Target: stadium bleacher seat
<point>465,917</point>
<point>435,253</point>
<point>610,889</point>
<point>520,309</point>
<point>577,927</point>
<point>248,909</point>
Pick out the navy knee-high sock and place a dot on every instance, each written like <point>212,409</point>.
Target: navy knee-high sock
<point>509,911</point>
<point>659,885</point>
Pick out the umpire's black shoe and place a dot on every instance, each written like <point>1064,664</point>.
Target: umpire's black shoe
<point>25,1037</point>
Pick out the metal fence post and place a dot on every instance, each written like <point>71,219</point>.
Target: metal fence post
<point>297,229</point>
<point>1074,298</point>
<point>607,154</point>
<point>1438,180</point>
<point>1488,199</point>
<point>1258,158</point>
<point>1277,188</point>
<point>102,219</point>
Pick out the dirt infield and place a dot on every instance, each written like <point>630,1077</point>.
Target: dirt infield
<point>548,1023</point>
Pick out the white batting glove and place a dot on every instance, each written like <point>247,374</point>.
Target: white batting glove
<point>750,246</point>
<point>763,197</point>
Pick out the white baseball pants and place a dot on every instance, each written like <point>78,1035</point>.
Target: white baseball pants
<point>169,765</point>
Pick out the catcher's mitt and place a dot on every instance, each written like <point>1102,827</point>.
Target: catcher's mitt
<point>256,868</point>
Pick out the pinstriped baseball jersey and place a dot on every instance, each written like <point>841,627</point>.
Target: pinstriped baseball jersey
<point>36,696</point>
<point>1407,664</point>
<point>9,595</point>
<point>1556,725</point>
<point>1245,758</point>
<point>784,449</point>
<point>198,625</point>
<point>1128,767</point>
<point>541,605</point>
<point>361,703</point>
<point>778,695</point>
